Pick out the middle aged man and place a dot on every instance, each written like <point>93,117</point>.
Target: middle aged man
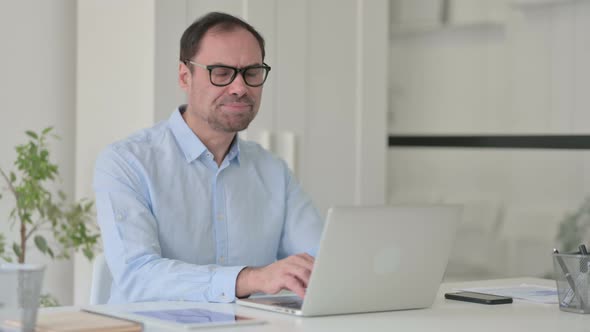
<point>188,210</point>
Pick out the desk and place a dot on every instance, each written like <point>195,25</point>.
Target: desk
<point>444,315</point>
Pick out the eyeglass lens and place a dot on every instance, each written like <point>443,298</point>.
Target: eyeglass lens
<point>252,76</point>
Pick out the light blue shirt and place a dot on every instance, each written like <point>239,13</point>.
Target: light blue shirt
<point>175,226</point>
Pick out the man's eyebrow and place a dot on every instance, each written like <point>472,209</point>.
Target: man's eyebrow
<point>219,64</point>
<point>224,64</point>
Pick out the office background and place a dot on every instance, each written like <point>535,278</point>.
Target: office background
<point>100,69</point>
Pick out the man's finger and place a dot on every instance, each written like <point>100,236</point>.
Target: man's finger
<point>302,274</point>
<point>301,261</point>
<point>294,285</point>
<point>307,257</point>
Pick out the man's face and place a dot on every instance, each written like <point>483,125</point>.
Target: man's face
<point>228,108</point>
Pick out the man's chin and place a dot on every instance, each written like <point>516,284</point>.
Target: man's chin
<point>235,129</point>
<point>231,123</point>
<point>231,127</point>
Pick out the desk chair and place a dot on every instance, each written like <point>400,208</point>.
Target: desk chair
<point>100,291</point>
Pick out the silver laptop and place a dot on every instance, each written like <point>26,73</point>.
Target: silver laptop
<point>374,259</point>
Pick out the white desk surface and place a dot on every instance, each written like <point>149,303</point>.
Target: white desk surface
<point>444,315</point>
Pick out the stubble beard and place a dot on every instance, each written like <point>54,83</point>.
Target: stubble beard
<point>231,123</point>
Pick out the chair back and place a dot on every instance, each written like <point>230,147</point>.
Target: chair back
<point>100,290</point>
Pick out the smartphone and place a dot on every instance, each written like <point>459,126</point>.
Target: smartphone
<point>478,298</point>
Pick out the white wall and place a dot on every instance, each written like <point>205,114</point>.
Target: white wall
<point>115,89</point>
<point>171,19</point>
<point>528,74</point>
<point>37,89</point>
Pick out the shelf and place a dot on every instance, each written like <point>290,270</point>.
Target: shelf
<point>568,142</point>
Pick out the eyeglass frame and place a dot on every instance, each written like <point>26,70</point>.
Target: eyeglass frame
<point>236,70</point>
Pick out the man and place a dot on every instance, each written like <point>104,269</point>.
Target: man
<point>188,210</point>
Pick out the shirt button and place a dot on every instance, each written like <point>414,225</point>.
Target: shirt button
<point>220,217</point>
<point>221,259</point>
<point>119,216</point>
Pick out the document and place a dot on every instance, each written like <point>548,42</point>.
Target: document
<point>525,292</point>
<point>190,318</point>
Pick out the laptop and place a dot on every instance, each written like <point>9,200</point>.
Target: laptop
<point>374,259</point>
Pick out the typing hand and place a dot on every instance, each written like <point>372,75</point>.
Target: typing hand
<point>291,273</point>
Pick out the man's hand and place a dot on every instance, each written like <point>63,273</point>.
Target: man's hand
<point>291,273</point>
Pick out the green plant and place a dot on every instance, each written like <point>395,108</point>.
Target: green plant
<point>573,229</point>
<point>36,212</point>
<point>47,300</point>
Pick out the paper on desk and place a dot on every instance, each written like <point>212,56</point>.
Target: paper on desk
<point>532,293</point>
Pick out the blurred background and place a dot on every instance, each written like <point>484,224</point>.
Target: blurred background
<point>361,100</point>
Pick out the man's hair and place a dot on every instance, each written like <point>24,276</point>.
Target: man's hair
<point>192,36</point>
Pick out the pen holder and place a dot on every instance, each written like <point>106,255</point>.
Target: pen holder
<point>573,282</point>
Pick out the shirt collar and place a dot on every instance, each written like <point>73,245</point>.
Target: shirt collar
<point>234,150</point>
<point>190,144</point>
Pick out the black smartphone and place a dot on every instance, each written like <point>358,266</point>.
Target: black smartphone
<point>478,298</point>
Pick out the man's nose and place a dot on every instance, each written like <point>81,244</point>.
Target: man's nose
<point>238,87</point>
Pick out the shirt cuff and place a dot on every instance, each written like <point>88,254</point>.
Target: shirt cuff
<point>223,284</point>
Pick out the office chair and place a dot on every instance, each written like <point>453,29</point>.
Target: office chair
<point>100,291</point>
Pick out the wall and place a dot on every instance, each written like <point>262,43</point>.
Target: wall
<point>115,90</point>
<point>526,73</point>
<point>37,89</point>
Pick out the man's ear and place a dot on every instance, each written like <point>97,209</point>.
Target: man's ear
<point>184,77</point>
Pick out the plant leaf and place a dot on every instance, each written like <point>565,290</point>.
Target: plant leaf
<point>12,177</point>
<point>41,243</point>
<point>50,252</point>
<point>88,253</point>
<point>2,244</point>
<point>16,249</point>
<point>48,300</point>
<point>47,130</point>
<point>32,134</point>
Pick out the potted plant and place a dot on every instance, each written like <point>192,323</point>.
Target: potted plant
<point>56,226</point>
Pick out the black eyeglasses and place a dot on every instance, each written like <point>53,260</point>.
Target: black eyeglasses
<point>222,75</point>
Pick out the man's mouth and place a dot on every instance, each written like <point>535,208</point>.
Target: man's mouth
<point>236,107</point>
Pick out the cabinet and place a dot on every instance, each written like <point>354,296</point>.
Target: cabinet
<point>410,16</point>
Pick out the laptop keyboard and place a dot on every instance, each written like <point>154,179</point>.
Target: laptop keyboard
<point>292,305</point>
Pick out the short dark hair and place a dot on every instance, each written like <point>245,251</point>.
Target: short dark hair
<point>192,36</point>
